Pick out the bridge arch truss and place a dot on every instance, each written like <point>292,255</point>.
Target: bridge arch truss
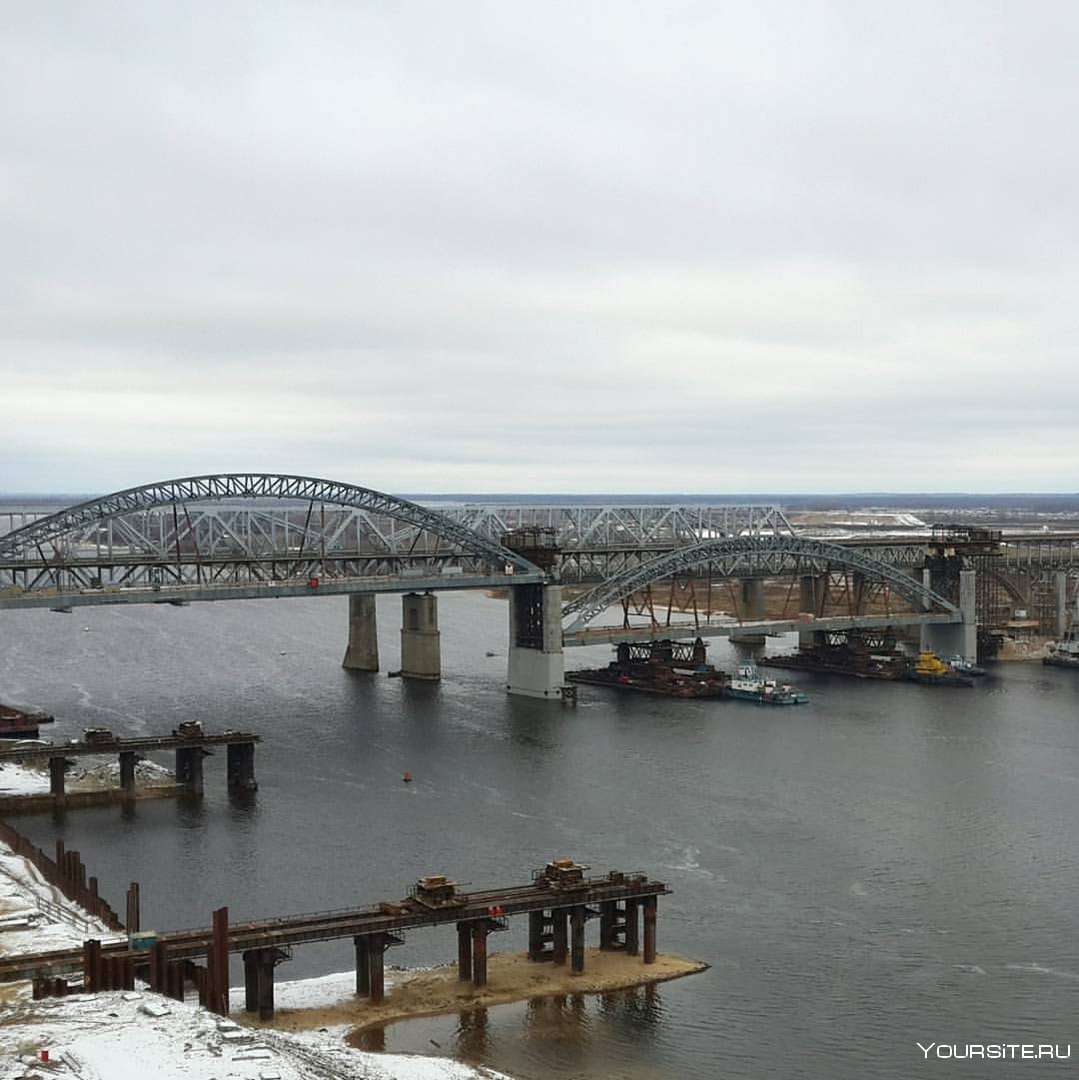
<point>756,556</point>
<point>196,529</point>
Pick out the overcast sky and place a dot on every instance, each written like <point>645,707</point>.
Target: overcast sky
<point>693,247</point>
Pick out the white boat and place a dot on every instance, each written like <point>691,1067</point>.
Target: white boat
<point>749,685</point>
<point>1064,653</point>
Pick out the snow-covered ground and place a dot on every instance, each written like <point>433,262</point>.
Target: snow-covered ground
<point>138,1035</point>
<point>34,779</point>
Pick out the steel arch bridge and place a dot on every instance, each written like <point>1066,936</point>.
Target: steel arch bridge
<point>775,555</point>
<point>204,542</point>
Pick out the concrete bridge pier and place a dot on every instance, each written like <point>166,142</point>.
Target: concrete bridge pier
<point>956,639</point>
<point>752,598</point>
<point>812,589</point>
<point>1061,581</point>
<point>421,656</point>
<point>535,667</point>
<point>362,651</point>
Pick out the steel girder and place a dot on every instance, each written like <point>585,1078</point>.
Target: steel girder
<point>772,555</point>
<point>626,526</point>
<point>215,488</point>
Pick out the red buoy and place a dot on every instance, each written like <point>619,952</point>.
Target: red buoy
<point>407,778</point>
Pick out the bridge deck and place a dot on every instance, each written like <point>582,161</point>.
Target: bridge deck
<point>331,925</point>
<point>118,746</point>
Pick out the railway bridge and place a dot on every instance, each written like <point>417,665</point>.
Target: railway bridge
<point>258,535</point>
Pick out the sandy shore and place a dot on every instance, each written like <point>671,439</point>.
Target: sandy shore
<point>510,977</point>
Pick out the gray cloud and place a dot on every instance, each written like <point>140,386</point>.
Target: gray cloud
<point>599,247</point>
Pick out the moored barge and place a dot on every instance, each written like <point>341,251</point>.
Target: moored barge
<point>670,668</point>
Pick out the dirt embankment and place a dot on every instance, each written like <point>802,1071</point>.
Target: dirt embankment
<point>510,977</point>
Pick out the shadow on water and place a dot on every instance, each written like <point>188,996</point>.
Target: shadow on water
<point>553,1038</point>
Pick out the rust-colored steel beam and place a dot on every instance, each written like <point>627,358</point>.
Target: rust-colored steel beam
<point>650,930</point>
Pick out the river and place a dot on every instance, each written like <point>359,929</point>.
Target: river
<point>890,864</point>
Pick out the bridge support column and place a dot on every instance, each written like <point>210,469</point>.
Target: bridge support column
<point>576,948</point>
<point>189,768</point>
<point>649,904</point>
<point>57,766</point>
<point>633,928</point>
<point>480,930</point>
<point>1061,581</point>
<point>535,667</point>
<point>421,656</point>
<point>363,966</point>
<point>811,592</point>
<point>362,651</point>
<point>464,951</point>
<point>536,925</point>
<point>127,771</point>
<point>956,639</point>
<point>560,944</point>
<point>240,765</point>
<point>608,924</point>
<point>259,980</point>
<point>752,598</point>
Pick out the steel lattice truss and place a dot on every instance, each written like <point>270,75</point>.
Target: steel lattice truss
<point>771,556</point>
<point>251,526</point>
<point>597,542</point>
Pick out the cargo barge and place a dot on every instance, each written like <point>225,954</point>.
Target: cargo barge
<point>20,724</point>
<point>839,661</point>
<point>670,668</point>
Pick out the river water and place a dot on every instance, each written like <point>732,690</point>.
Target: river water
<point>886,865</point>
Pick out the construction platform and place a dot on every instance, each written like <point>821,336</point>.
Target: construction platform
<point>189,741</point>
<point>559,902</point>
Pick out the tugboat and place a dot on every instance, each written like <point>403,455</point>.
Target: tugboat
<point>748,685</point>
<point>1064,653</point>
<point>932,671</point>
<point>965,667</point>
<point>671,668</point>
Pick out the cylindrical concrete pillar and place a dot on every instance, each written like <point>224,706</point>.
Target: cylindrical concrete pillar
<point>362,651</point>
<point>421,656</point>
